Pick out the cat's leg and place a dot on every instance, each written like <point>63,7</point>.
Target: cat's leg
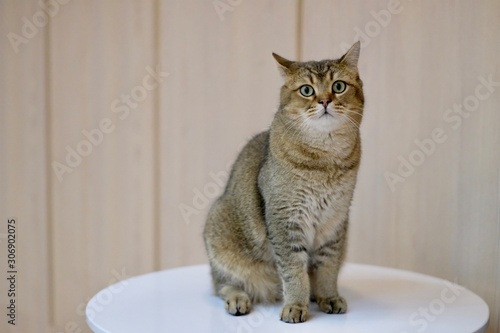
<point>228,269</point>
<point>312,292</point>
<point>327,260</point>
<point>289,244</point>
<point>295,288</point>
<point>236,301</point>
<point>241,259</point>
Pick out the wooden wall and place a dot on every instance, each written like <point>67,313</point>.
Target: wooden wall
<point>142,107</point>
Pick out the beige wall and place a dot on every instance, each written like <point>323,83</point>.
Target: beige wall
<point>119,211</point>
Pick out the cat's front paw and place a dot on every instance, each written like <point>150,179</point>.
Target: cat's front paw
<point>238,304</point>
<point>294,313</point>
<point>332,304</point>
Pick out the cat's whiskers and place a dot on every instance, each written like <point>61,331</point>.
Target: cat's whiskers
<point>317,112</point>
<point>312,111</point>
<point>353,111</point>
<point>344,112</point>
<point>351,122</point>
<point>298,124</point>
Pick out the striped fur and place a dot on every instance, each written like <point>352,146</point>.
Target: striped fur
<point>278,232</point>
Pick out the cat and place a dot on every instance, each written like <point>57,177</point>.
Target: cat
<point>278,232</point>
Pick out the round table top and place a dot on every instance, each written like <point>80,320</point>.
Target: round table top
<point>379,300</point>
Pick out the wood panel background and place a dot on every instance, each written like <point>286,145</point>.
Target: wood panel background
<point>136,201</point>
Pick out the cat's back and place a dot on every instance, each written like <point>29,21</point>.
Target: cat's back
<point>236,219</point>
<point>246,169</point>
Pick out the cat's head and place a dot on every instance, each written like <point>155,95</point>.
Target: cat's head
<point>322,96</point>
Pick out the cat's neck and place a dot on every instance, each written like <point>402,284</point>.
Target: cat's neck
<point>322,151</point>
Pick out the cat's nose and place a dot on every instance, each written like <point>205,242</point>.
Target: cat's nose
<point>325,102</point>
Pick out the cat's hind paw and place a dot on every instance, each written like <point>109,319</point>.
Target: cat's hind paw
<point>332,304</point>
<point>238,304</point>
<point>294,313</point>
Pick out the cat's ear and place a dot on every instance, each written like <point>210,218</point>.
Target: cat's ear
<point>283,64</point>
<point>351,57</point>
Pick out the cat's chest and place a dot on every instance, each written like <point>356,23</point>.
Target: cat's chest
<point>324,207</point>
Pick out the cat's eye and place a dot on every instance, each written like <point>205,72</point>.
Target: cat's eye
<point>338,87</point>
<point>306,90</point>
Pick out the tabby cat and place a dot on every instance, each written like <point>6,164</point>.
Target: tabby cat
<point>278,232</point>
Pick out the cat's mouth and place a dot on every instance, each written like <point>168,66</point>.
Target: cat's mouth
<point>324,120</point>
<point>326,113</point>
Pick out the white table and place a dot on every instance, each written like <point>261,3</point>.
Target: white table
<point>379,300</point>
